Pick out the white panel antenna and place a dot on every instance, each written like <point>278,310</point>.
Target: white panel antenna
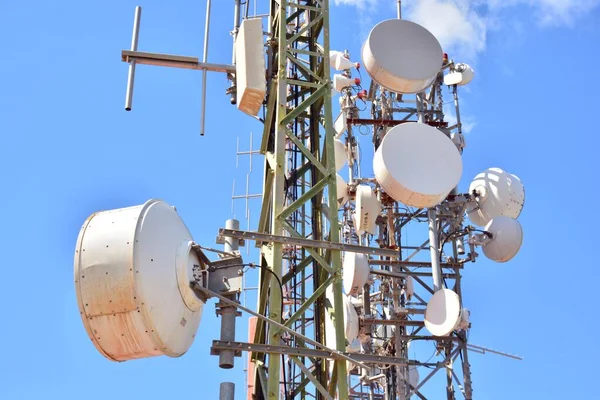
<point>367,210</point>
<point>250,66</point>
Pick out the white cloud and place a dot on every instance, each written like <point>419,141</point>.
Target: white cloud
<point>360,4</point>
<point>455,23</point>
<point>550,12</point>
<point>461,26</point>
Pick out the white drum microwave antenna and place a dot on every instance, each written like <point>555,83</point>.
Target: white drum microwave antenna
<point>341,154</point>
<point>417,165</point>
<point>402,56</point>
<point>367,210</point>
<point>497,193</point>
<point>355,272</point>
<point>506,241</point>
<point>443,313</point>
<point>350,322</point>
<point>133,268</point>
<point>462,75</point>
<point>342,190</point>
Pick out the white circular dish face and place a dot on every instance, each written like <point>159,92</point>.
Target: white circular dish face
<point>342,190</point>
<point>507,237</point>
<point>417,165</point>
<point>467,73</point>
<point>355,272</point>
<point>443,312</point>
<point>341,156</point>
<point>132,271</point>
<point>402,56</point>
<point>367,210</point>
<point>499,193</point>
<point>350,321</point>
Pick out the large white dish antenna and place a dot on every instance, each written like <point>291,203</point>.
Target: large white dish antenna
<point>507,237</point>
<point>355,272</point>
<point>498,193</point>
<point>442,315</point>
<point>367,210</point>
<point>417,164</point>
<point>133,268</point>
<point>402,56</point>
<point>342,190</point>
<point>340,154</point>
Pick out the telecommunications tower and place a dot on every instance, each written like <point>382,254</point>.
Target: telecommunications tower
<point>363,231</point>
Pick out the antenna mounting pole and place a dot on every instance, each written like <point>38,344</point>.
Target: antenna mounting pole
<point>134,45</point>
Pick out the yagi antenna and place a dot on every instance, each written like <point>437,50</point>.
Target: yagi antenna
<point>134,57</point>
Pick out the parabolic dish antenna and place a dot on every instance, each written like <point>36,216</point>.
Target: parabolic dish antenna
<point>350,322</point>
<point>498,193</point>
<point>442,315</point>
<point>462,75</point>
<point>402,56</point>
<point>342,190</point>
<point>133,268</point>
<point>341,156</point>
<point>417,164</point>
<point>367,210</point>
<point>507,237</point>
<point>355,272</point>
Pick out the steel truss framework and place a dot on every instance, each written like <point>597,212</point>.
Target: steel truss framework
<point>299,175</point>
<point>300,236</point>
<point>299,178</point>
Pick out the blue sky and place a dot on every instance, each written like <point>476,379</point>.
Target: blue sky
<point>70,149</point>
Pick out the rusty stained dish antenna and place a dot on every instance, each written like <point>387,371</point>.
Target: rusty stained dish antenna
<point>133,268</point>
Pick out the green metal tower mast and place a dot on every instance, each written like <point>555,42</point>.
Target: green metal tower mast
<point>299,183</point>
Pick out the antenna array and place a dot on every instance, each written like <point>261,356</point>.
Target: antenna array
<point>347,306</point>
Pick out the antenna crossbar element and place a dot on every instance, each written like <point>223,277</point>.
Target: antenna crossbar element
<point>173,61</point>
